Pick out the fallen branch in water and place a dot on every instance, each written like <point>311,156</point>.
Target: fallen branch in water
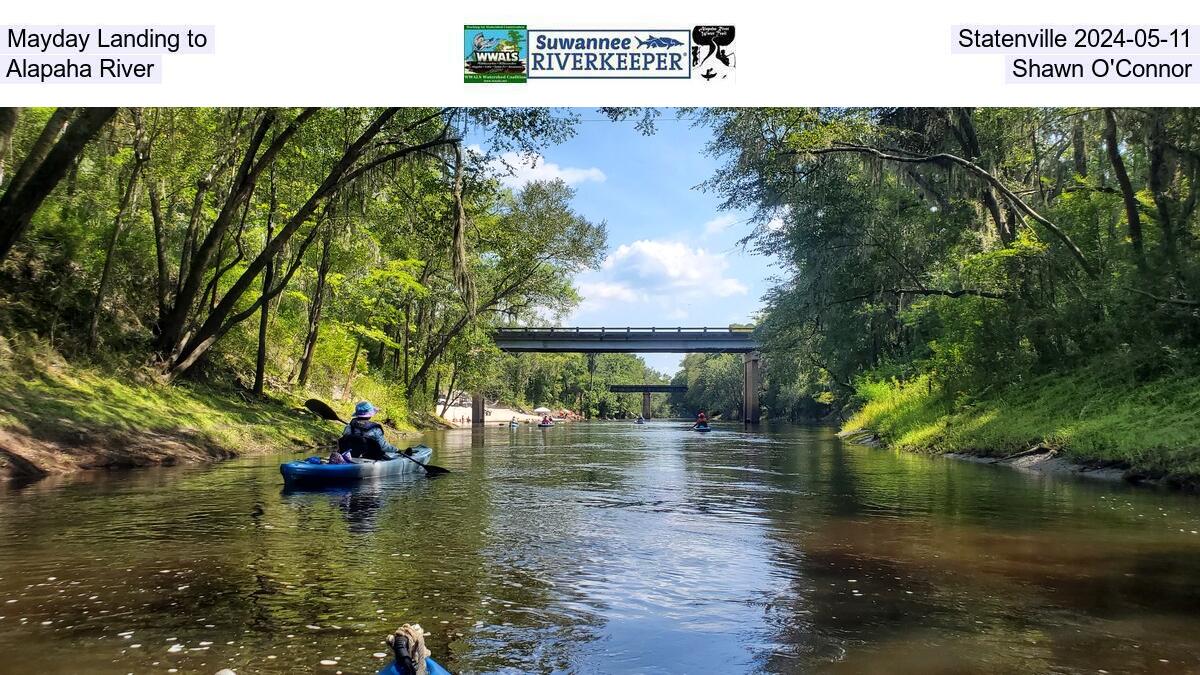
<point>1038,449</point>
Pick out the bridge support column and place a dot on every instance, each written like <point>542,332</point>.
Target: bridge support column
<point>751,382</point>
<point>646,405</point>
<point>478,411</point>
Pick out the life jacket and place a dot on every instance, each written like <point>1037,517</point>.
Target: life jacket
<point>357,440</point>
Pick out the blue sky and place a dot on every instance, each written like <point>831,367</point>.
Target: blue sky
<point>673,258</point>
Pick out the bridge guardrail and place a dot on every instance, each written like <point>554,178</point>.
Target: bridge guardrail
<point>625,329</point>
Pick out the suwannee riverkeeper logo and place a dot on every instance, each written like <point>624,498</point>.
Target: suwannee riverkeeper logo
<point>507,53</point>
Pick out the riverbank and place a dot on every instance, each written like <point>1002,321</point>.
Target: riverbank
<point>58,417</point>
<point>1095,420</point>
<point>459,416</point>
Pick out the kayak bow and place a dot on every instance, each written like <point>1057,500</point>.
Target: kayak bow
<point>432,666</point>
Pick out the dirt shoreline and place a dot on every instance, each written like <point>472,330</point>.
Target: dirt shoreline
<point>1045,460</point>
<point>25,457</point>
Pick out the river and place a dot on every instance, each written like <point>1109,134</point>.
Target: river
<point>605,548</point>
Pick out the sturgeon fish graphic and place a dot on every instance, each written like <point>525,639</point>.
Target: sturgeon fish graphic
<point>662,42</point>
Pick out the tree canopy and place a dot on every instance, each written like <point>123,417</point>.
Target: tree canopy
<point>978,246</point>
<point>351,250</point>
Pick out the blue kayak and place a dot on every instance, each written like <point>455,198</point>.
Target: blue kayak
<point>432,666</point>
<point>318,474</point>
<point>703,428</point>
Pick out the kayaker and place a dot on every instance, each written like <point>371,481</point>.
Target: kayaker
<point>701,420</point>
<point>364,438</point>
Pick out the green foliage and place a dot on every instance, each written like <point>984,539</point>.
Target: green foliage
<point>381,286</point>
<point>902,262</point>
<point>714,383</point>
<point>576,382</point>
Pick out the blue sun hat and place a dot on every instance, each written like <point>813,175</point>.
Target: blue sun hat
<point>364,409</point>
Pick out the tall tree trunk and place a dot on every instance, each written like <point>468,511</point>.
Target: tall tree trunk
<point>397,336</point>
<point>1079,150</point>
<point>314,311</point>
<point>344,172</point>
<point>209,297</point>
<point>260,363</point>
<point>8,126</point>
<point>172,339</point>
<point>437,387</point>
<point>160,249</point>
<point>449,392</point>
<point>1160,183</point>
<point>1128,195</point>
<point>182,350</point>
<point>125,208</point>
<point>458,248</point>
<point>407,326</point>
<point>51,132</point>
<point>38,176</point>
<point>123,213</point>
<point>353,366</point>
<point>969,141</point>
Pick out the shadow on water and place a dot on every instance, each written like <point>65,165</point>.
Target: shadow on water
<point>605,547</point>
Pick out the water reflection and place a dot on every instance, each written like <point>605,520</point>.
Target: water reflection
<point>605,548</point>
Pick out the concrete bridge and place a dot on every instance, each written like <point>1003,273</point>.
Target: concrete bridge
<point>593,340</point>
<point>646,390</point>
<point>602,340</point>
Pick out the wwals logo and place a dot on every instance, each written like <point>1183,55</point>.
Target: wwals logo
<point>495,53</point>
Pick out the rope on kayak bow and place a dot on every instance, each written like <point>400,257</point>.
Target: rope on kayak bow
<point>408,642</point>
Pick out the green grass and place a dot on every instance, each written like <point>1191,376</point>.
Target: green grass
<point>1094,414</point>
<point>46,398</point>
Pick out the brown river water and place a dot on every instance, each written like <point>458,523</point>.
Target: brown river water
<point>605,548</point>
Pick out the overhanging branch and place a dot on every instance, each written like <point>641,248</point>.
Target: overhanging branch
<point>947,158</point>
<point>974,292</point>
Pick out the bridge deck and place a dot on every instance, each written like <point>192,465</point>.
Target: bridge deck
<point>651,388</point>
<point>630,339</point>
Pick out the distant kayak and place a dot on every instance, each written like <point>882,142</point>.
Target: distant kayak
<point>307,473</point>
<point>432,666</point>
<point>705,428</point>
<point>545,425</point>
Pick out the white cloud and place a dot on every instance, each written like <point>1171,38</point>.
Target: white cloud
<point>719,224</point>
<point>515,170</point>
<point>659,282</point>
<point>665,267</point>
<point>607,290</point>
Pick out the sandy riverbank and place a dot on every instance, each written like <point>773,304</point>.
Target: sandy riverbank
<point>460,416</point>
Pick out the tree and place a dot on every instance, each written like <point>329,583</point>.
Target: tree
<point>974,246</point>
<point>62,139</point>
